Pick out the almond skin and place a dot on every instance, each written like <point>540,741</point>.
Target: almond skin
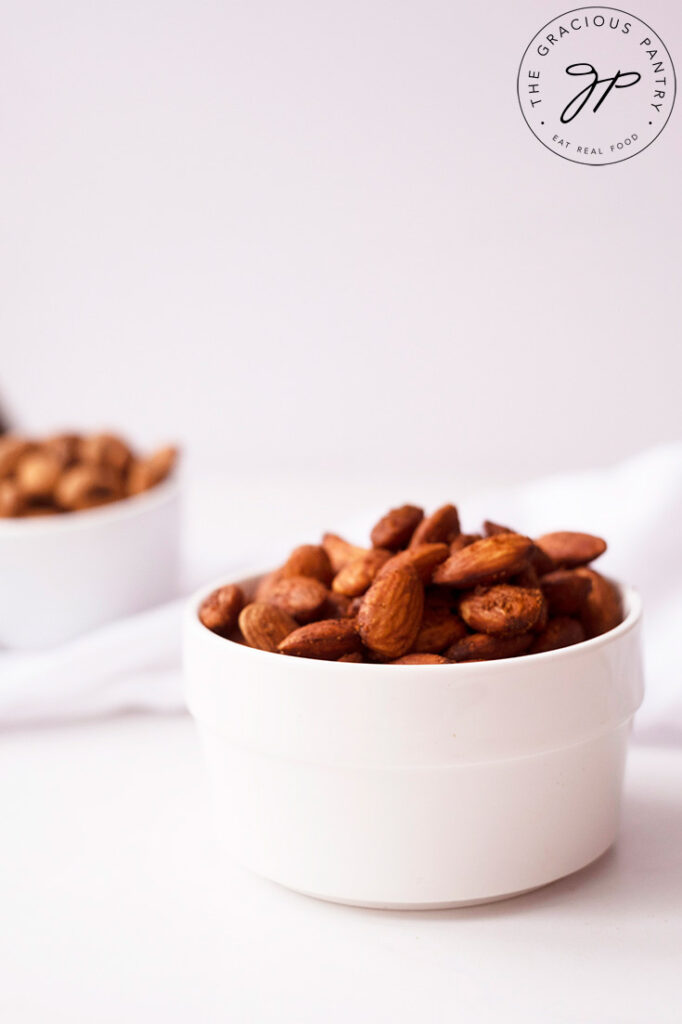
<point>483,647</point>
<point>423,558</point>
<point>560,632</point>
<point>391,613</point>
<point>439,628</point>
<point>12,449</point>
<point>565,591</point>
<point>420,659</point>
<point>441,527</point>
<point>328,640</point>
<point>528,577</point>
<point>220,611</point>
<point>485,561</point>
<point>540,561</point>
<point>394,530</point>
<point>503,610</point>
<point>12,501</point>
<point>266,583</point>
<point>602,610</point>
<point>491,529</point>
<point>542,620</point>
<point>265,626</point>
<point>568,550</point>
<point>356,658</point>
<point>309,560</point>
<point>105,450</point>
<point>357,575</point>
<point>463,541</point>
<point>37,474</point>
<point>300,596</point>
<point>340,551</point>
<point>337,606</point>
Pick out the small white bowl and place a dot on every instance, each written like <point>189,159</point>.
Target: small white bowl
<point>63,575</point>
<point>415,786</point>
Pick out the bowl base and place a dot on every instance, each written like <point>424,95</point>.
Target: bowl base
<point>448,905</point>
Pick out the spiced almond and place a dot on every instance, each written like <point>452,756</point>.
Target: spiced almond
<point>568,549</point>
<point>391,613</point>
<point>489,560</point>
<point>502,610</point>
<point>264,626</point>
<point>328,639</point>
<point>394,530</point>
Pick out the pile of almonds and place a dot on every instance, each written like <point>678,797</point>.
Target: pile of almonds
<point>70,472</point>
<point>424,594</point>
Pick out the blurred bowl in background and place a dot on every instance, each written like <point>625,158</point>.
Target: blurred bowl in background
<point>418,786</point>
<point>62,575</point>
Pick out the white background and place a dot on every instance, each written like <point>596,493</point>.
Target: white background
<point>310,235</point>
<point>307,239</point>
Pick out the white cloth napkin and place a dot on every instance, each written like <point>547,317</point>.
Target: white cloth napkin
<point>637,505</point>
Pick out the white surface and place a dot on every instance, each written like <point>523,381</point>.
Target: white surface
<point>430,786</point>
<point>312,234</point>
<point>118,905</point>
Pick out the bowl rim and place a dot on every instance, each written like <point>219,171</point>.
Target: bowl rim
<point>630,596</point>
<point>124,508</point>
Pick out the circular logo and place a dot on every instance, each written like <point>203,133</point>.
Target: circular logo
<point>596,85</point>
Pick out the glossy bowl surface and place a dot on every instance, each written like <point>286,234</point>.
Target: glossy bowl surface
<point>415,786</point>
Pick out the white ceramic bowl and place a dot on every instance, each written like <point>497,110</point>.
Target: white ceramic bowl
<point>415,786</point>
<point>61,576</point>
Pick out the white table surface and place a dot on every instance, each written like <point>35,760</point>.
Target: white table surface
<point>117,905</point>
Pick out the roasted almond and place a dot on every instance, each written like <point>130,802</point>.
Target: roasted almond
<point>540,561</point>
<point>357,575</point>
<point>105,450</point>
<point>423,558</point>
<point>568,550</point>
<point>328,639</point>
<point>542,620</point>
<point>148,472</point>
<point>220,611</point>
<point>565,591</point>
<point>441,527</point>
<point>491,529</point>
<point>340,551</point>
<point>528,577</point>
<point>265,626</point>
<point>420,659</point>
<point>484,647</point>
<point>300,596</point>
<point>309,560</point>
<point>603,609</point>
<point>337,606</point>
<point>37,474</point>
<point>82,487</point>
<point>394,530</point>
<point>12,449</point>
<point>464,540</point>
<point>266,583</point>
<point>12,501</point>
<point>65,448</point>
<point>503,610</point>
<point>439,627</point>
<point>559,632</point>
<point>391,613</point>
<point>355,658</point>
<point>485,561</point>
